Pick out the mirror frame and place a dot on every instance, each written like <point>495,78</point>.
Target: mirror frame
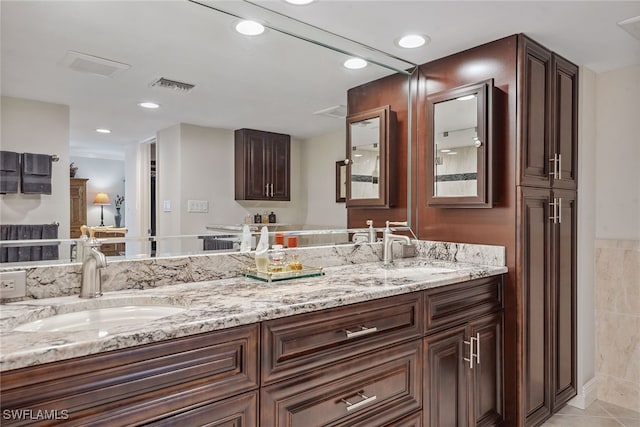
<point>484,96</point>
<point>387,147</point>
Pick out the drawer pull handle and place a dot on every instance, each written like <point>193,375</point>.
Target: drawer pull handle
<point>364,401</point>
<point>363,331</point>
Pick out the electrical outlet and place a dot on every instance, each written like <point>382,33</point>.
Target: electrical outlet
<point>13,284</point>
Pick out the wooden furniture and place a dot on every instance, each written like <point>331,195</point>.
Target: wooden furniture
<point>262,165</point>
<point>371,158</point>
<point>110,248</point>
<point>463,368</point>
<point>77,206</point>
<point>548,237</point>
<point>384,362</point>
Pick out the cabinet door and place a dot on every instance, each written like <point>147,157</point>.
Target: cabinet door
<point>445,378</point>
<point>239,411</point>
<point>487,402</point>
<point>564,140</point>
<point>78,206</point>
<point>256,172</point>
<point>564,299</point>
<point>535,117</point>
<point>279,166</point>
<point>534,258</point>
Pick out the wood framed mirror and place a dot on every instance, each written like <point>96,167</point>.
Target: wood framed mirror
<point>370,158</point>
<point>459,147</point>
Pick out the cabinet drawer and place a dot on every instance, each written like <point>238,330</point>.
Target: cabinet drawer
<point>239,411</point>
<point>297,344</point>
<point>372,390</point>
<point>144,383</point>
<point>455,304</point>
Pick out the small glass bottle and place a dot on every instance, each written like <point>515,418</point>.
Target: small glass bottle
<point>265,218</point>
<point>277,262</point>
<point>272,218</point>
<point>294,263</point>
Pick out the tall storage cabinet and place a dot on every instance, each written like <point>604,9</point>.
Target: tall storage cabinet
<point>547,215</point>
<point>78,206</point>
<point>262,165</point>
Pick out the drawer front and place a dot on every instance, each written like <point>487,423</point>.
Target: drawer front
<point>455,304</point>
<point>294,345</point>
<point>239,411</point>
<point>372,390</point>
<point>414,420</point>
<point>124,387</point>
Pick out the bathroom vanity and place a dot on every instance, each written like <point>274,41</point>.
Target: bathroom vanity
<point>419,343</point>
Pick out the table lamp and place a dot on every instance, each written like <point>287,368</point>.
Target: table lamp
<point>102,200</point>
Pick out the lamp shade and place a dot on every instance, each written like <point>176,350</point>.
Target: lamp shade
<point>101,199</point>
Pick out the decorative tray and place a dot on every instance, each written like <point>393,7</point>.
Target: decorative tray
<point>272,276</point>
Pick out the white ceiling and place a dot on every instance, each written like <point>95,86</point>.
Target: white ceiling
<point>273,82</point>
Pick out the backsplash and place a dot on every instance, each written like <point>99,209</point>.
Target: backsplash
<point>64,280</point>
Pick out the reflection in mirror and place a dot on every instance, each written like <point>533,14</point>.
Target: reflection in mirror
<point>173,164</point>
<point>370,148</point>
<point>460,147</point>
<point>365,158</point>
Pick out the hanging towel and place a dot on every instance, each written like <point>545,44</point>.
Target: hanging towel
<point>28,232</point>
<point>36,173</point>
<point>9,172</point>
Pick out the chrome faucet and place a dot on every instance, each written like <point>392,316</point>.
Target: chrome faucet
<point>388,238</point>
<point>373,235</point>
<point>93,261</point>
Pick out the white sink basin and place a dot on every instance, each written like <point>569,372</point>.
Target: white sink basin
<point>101,319</point>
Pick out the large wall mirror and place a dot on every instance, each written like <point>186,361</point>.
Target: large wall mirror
<point>459,147</point>
<point>87,65</point>
<point>371,145</point>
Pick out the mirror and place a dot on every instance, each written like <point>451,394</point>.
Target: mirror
<point>370,148</point>
<point>460,147</point>
<point>240,81</point>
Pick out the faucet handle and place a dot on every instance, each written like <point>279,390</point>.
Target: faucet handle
<point>370,222</point>
<point>402,223</point>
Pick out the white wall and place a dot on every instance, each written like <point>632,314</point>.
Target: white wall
<point>319,158</point>
<point>586,238</point>
<point>105,176</point>
<point>618,154</point>
<point>27,126</point>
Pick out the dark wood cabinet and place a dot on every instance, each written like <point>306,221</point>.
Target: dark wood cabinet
<point>548,86</point>
<point>375,389</point>
<point>548,235</point>
<point>141,384</point>
<point>463,369</point>
<point>262,165</point>
<point>77,206</point>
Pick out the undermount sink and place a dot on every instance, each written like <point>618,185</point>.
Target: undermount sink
<point>101,319</point>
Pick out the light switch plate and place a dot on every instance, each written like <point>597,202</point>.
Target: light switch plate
<point>13,284</point>
<point>201,206</point>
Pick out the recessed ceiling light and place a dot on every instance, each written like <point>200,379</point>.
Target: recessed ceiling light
<point>102,130</point>
<point>355,63</point>
<point>357,155</point>
<point>466,97</point>
<point>444,150</point>
<point>452,152</point>
<point>299,2</point>
<point>250,28</point>
<point>147,104</point>
<point>411,41</point>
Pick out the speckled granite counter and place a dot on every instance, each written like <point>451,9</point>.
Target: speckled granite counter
<point>217,304</point>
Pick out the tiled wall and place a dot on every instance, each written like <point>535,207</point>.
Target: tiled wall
<point>618,322</point>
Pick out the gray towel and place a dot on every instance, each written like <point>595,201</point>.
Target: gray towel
<point>36,173</point>
<point>9,172</point>
<point>28,232</point>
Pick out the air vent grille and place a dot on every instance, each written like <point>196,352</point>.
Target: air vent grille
<point>173,84</point>
<point>90,64</point>
<point>335,112</point>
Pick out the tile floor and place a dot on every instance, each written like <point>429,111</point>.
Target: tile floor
<point>598,414</point>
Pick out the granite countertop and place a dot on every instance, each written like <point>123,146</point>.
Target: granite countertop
<point>215,305</point>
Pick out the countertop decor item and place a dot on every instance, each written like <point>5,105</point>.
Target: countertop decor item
<point>102,200</point>
<point>72,170</point>
<point>118,216</point>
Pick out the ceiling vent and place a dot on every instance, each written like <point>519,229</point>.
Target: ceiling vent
<point>631,26</point>
<point>93,64</point>
<point>335,112</point>
<point>173,84</point>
